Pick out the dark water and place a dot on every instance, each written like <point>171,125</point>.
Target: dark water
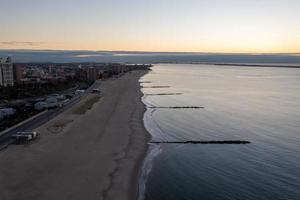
<point>261,105</point>
<point>147,57</point>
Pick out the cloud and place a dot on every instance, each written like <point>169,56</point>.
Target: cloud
<point>18,43</point>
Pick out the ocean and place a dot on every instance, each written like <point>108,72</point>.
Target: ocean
<point>59,56</point>
<point>256,104</point>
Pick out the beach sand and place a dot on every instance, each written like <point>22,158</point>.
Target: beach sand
<point>91,156</point>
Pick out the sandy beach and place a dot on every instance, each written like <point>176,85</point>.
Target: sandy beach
<point>91,155</point>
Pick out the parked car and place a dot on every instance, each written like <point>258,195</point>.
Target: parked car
<point>40,105</point>
<point>79,92</point>
<point>24,137</point>
<point>96,91</point>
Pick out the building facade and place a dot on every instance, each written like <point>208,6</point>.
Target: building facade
<point>1,78</point>
<point>7,72</point>
<point>18,74</point>
<point>91,74</point>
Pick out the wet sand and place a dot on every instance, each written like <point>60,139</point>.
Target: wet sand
<point>96,155</point>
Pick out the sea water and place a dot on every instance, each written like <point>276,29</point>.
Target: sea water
<point>257,104</point>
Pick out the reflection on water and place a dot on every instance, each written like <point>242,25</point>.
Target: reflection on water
<point>261,105</point>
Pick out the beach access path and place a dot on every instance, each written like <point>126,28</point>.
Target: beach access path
<point>90,156</point>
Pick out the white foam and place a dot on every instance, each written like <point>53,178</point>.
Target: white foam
<point>153,151</point>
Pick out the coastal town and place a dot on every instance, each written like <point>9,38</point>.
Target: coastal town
<point>28,89</point>
<point>150,100</point>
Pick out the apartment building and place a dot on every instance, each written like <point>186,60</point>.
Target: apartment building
<point>6,72</point>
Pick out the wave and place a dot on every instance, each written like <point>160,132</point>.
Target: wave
<point>153,151</point>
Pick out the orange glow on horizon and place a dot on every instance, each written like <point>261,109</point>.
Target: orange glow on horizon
<point>246,50</point>
<point>155,26</point>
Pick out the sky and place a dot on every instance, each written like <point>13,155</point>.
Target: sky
<point>217,26</point>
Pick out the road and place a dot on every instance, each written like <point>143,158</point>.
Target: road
<point>6,139</point>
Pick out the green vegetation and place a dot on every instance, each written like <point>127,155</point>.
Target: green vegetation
<point>87,105</point>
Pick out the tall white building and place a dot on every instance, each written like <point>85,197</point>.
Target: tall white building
<point>6,72</point>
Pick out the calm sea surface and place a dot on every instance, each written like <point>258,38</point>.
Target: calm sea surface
<point>261,105</point>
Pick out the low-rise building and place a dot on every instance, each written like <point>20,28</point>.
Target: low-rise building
<point>6,112</point>
<point>52,101</point>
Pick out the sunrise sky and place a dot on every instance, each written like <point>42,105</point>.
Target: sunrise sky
<point>225,26</point>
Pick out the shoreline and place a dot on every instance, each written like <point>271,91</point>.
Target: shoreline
<point>140,161</point>
<point>96,155</point>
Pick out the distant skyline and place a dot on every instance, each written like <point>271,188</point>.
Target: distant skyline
<point>216,26</point>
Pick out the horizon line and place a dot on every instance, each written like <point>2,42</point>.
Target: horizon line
<point>163,52</point>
